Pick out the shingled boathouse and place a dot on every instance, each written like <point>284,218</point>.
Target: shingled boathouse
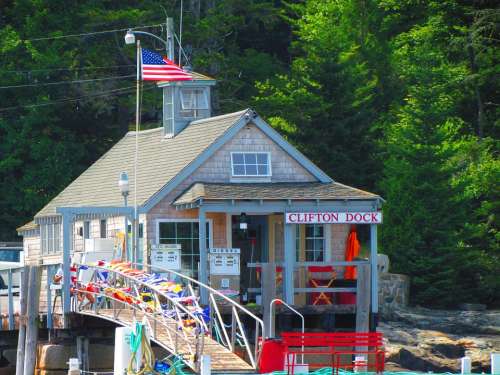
<point>225,200</point>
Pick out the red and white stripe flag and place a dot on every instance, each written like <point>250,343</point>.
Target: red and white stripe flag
<point>155,67</point>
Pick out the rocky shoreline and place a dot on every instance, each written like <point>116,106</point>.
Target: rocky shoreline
<point>420,339</point>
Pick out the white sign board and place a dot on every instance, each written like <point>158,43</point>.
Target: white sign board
<point>166,256</point>
<point>224,261</point>
<point>333,217</point>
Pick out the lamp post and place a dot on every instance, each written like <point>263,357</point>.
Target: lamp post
<point>124,189</point>
<point>130,38</point>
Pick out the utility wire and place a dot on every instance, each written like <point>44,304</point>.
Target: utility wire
<point>66,82</point>
<point>90,33</point>
<point>116,92</point>
<point>66,69</point>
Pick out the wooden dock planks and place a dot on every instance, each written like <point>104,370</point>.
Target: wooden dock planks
<point>222,360</point>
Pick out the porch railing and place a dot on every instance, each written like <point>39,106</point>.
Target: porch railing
<point>305,265</point>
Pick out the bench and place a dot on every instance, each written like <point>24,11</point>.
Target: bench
<point>361,351</point>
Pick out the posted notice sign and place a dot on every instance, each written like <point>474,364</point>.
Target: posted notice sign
<point>333,217</point>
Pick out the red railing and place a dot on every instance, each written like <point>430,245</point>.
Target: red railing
<point>340,350</point>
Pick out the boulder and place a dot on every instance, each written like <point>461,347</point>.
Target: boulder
<point>51,372</point>
<point>55,357</point>
<point>431,340</point>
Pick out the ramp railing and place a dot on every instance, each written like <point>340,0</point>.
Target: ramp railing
<point>172,308</point>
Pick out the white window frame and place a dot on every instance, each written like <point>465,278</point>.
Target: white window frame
<point>50,244</point>
<point>313,250</point>
<point>174,220</point>
<point>269,170</point>
<point>196,106</point>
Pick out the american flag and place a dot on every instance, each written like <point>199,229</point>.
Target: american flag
<point>156,67</point>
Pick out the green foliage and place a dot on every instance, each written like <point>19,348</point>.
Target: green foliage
<point>394,96</point>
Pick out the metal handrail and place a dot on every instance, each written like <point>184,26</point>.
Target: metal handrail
<point>254,358</point>
<point>172,346</point>
<point>176,303</point>
<point>281,302</point>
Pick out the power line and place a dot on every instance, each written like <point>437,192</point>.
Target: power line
<point>66,69</point>
<point>89,33</point>
<point>116,92</point>
<point>66,82</point>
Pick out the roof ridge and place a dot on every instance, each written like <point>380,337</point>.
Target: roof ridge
<point>219,117</point>
<point>141,132</point>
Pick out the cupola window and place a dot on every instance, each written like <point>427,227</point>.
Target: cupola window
<point>193,101</point>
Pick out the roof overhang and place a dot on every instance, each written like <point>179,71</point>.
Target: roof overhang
<point>278,195</point>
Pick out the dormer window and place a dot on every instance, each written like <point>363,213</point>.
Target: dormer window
<point>251,164</point>
<point>193,102</point>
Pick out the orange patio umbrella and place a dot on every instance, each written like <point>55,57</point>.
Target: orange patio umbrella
<point>351,252</point>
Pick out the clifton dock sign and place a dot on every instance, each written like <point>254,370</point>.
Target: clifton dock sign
<point>334,217</point>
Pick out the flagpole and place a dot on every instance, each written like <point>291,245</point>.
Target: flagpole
<point>137,125</point>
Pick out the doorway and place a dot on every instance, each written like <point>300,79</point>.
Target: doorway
<point>252,243</point>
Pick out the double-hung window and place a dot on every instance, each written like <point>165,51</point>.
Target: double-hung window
<point>314,242</point>
<point>185,233</point>
<point>250,164</point>
<point>50,235</point>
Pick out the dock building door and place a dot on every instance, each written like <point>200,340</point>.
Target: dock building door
<point>252,243</point>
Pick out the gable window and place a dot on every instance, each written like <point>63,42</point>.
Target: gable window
<point>250,164</point>
<point>50,235</point>
<point>185,233</point>
<point>193,100</point>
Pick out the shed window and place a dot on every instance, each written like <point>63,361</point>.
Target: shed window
<point>50,235</point>
<point>103,226</point>
<point>251,164</point>
<point>86,229</point>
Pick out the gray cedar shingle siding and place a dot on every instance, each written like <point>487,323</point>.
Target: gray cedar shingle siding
<point>160,159</point>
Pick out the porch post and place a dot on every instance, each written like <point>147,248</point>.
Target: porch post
<point>67,221</point>
<point>202,272</point>
<point>289,245</point>
<point>374,269</point>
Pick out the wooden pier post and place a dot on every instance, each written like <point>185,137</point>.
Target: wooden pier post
<point>23,298</point>
<point>363,299</point>
<point>30,349</point>
<point>268,285</point>
<point>362,311</point>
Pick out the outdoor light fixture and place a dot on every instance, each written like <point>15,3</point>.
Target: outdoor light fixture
<point>243,221</point>
<point>123,183</point>
<point>129,37</point>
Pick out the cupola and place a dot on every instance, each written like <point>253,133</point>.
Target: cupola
<point>184,102</point>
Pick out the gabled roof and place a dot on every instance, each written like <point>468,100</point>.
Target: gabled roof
<point>28,226</point>
<point>160,159</point>
<point>272,191</point>
<point>163,163</point>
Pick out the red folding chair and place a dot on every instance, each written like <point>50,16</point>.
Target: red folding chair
<point>279,274</point>
<point>321,298</point>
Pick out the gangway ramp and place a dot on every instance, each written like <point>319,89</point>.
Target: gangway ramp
<point>176,318</point>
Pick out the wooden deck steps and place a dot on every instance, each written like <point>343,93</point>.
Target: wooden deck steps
<point>222,359</point>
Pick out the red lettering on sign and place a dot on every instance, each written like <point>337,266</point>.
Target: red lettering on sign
<point>348,217</point>
<point>374,218</point>
<point>366,218</point>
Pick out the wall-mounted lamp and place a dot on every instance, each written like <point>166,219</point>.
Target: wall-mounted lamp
<point>243,221</point>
